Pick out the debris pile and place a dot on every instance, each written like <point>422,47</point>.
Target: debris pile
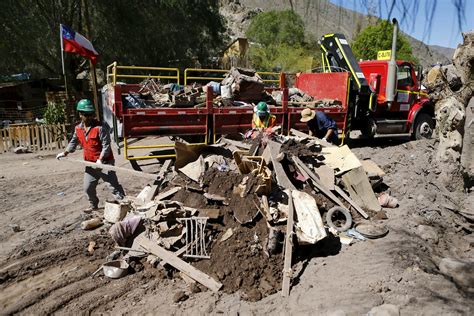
<point>227,216</point>
<point>451,87</point>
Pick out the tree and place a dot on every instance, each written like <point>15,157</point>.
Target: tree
<point>147,32</point>
<point>278,42</point>
<point>379,37</point>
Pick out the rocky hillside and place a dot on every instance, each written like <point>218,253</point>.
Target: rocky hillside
<point>320,17</point>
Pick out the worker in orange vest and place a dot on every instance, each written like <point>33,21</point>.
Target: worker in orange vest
<point>94,138</point>
<point>262,117</point>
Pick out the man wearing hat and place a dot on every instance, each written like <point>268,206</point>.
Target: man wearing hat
<point>320,125</point>
<point>95,141</point>
<point>261,117</point>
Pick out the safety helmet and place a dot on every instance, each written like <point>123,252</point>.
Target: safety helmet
<point>261,108</point>
<point>86,106</point>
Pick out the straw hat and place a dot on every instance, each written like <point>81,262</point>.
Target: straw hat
<point>307,115</point>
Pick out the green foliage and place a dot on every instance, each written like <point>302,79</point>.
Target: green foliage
<point>55,113</point>
<point>379,37</point>
<point>147,32</point>
<point>276,27</point>
<point>278,42</point>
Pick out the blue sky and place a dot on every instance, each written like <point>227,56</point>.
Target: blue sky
<point>444,27</point>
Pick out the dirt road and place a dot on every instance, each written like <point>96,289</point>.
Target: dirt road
<point>46,268</point>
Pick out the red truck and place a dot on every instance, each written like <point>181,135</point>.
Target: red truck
<point>384,96</point>
<point>375,97</point>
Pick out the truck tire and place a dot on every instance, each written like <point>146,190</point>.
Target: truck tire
<point>369,128</point>
<point>424,126</point>
<point>342,211</point>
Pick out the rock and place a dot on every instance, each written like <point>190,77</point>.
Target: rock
<point>194,288</point>
<point>91,246</point>
<point>385,310</point>
<point>254,295</point>
<point>461,271</point>
<point>427,233</point>
<point>180,296</point>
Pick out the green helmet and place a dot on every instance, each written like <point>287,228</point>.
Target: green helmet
<point>86,106</point>
<point>261,108</point>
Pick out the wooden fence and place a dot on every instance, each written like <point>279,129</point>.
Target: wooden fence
<point>34,137</point>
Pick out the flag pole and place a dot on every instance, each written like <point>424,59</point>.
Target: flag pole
<point>62,59</point>
<point>94,88</point>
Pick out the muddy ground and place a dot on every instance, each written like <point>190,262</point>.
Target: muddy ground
<point>45,267</point>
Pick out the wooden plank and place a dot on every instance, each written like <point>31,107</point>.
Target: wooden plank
<point>28,135</point>
<point>114,168</point>
<point>154,187</point>
<point>371,167</point>
<point>42,138</point>
<point>46,131</point>
<point>266,209</point>
<point>360,190</point>
<point>349,200</point>
<point>12,139</point>
<point>37,138</point>
<point>282,179</point>
<point>341,159</point>
<point>326,175</point>
<point>164,168</point>
<point>166,194</point>
<point>179,264</point>
<point>285,288</point>
<point>317,183</point>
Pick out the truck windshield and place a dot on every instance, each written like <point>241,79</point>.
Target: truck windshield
<point>404,76</point>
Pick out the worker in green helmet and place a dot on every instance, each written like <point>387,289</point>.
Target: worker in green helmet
<point>94,138</point>
<point>262,118</point>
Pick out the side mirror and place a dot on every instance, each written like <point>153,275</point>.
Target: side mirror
<point>419,75</point>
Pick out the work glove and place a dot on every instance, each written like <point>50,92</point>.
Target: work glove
<point>99,162</point>
<point>61,155</point>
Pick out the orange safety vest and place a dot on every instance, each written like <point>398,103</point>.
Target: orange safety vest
<point>267,123</point>
<point>92,146</point>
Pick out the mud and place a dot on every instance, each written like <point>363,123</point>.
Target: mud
<point>45,268</point>
<point>240,262</point>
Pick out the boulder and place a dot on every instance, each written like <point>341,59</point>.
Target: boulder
<point>427,233</point>
<point>460,271</point>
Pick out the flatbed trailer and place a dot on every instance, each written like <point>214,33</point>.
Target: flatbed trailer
<point>210,122</point>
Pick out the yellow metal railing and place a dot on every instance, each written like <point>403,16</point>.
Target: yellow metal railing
<point>113,73</point>
<point>189,71</point>
<point>171,146</point>
<point>207,77</point>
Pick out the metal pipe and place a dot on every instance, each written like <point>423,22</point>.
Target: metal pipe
<point>392,68</point>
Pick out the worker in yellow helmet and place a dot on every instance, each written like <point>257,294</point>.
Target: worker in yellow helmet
<point>262,118</point>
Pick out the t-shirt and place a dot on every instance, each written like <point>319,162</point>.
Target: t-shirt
<point>320,125</point>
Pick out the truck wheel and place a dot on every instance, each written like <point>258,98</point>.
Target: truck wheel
<point>424,126</point>
<point>369,129</point>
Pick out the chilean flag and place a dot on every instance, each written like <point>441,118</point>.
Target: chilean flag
<point>74,42</point>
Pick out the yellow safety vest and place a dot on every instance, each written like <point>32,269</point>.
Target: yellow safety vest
<point>268,122</point>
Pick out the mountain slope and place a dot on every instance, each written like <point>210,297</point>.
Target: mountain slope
<point>320,17</point>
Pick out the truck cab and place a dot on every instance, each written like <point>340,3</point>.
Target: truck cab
<point>385,96</point>
<point>409,113</point>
